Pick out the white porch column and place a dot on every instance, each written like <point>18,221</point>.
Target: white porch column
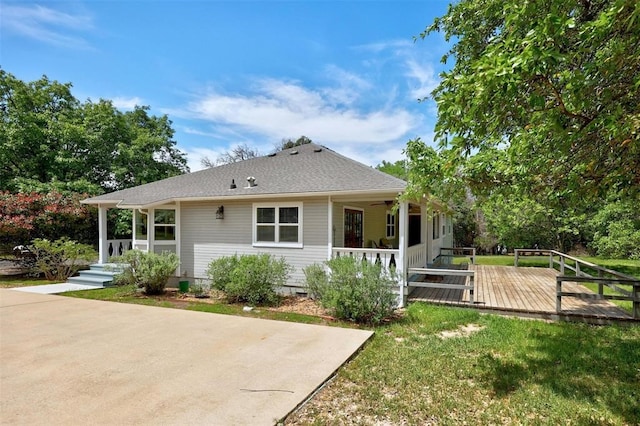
<point>330,229</point>
<point>103,249</point>
<point>403,216</point>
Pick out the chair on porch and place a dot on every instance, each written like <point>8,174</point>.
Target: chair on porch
<point>384,244</point>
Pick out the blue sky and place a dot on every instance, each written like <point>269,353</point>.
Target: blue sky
<point>346,74</point>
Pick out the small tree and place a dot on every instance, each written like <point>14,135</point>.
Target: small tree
<point>147,270</point>
<point>353,290</point>
<point>62,258</point>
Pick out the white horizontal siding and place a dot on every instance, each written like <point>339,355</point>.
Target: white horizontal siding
<point>205,238</point>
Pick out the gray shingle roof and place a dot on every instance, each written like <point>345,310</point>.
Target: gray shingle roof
<point>305,169</point>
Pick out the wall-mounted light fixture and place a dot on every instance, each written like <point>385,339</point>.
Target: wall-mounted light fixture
<point>220,213</point>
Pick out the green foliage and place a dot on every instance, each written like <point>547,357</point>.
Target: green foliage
<point>290,143</point>
<point>253,279</point>
<point>219,271</point>
<point>397,169</point>
<point>47,135</point>
<point>62,258</point>
<point>200,288</point>
<point>465,226</point>
<point>353,290</point>
<point>538,117</point>
<point>616,231</point>
<point>553,85</point>
<point>147,270</point>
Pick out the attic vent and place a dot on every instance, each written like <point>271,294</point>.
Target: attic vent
<point>233,184</point>
<point>251,182</point>
<point>317,150</point>
<point>294,152</point>
<point>273,154</point>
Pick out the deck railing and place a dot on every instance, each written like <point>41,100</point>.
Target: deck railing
<point>467,284</point>
<point>385,257</point>
<point>118,247</point>
<point>605,277</point>
<point>417,256</point>
<point>465,251</point>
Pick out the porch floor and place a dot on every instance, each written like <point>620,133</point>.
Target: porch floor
<point>522,291</point>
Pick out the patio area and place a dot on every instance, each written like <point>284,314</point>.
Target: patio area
<point>521,291</point>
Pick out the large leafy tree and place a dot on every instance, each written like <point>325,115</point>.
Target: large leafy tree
<point>56,150</point>
<point>47,135</point>
<point>538,114</point>
<point>551,88</point>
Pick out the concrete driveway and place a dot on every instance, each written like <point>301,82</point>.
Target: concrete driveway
<point>74,361</point>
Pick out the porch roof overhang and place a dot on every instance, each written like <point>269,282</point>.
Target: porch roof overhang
<point>363,195</point>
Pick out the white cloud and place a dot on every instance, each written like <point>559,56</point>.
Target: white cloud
<point>126,103</point>
<point>281,109</point>
<point>47,25</point>
<point>195,156</point>
<point>424,79</point>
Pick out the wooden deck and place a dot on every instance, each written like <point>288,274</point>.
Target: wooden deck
<point>522,291</point>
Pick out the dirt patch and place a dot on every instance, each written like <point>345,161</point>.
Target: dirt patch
<point>462,331</point>
<point>293,304</point>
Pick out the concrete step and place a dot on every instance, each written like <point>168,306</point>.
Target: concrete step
<point>98,274</point>
<point>115,268</point>
<point>99,282</point>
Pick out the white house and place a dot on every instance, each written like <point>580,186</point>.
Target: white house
<point>306,204</point>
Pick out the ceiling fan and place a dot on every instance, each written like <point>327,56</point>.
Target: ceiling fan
<point>387,203</point>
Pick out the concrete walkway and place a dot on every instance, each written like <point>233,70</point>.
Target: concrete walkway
<point>77,361</point>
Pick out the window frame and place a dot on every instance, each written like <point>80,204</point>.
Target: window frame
<point>277,225</point>
<point>390,225</point>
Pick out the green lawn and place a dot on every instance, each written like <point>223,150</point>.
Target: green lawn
<point>512,371</point>
<point>11,281</point>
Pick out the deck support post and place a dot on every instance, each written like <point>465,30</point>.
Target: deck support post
<point>558,295</point>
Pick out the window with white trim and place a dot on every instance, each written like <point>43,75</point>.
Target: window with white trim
<point>391,225</point>
<point>277,225</point>
<point>164,225</point>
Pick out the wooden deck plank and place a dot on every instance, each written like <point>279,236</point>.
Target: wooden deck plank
<point>522,289</point>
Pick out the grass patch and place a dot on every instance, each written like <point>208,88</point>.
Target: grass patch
<point>128,294</point>
<point>12,281</point>
<point>511,371</point>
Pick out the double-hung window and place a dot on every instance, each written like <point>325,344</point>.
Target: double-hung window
<point>391,226</point>
<point>277,225</point>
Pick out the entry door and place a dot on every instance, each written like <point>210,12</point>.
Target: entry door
<point>353,228</point>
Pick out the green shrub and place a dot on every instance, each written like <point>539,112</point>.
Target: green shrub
<point>317,281</point>
<point>253,279</point>
<point>62,258</point>
<point>200,289</point>
<point>353,290</point>
<point>219,271</point>
<point>147,270</point>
